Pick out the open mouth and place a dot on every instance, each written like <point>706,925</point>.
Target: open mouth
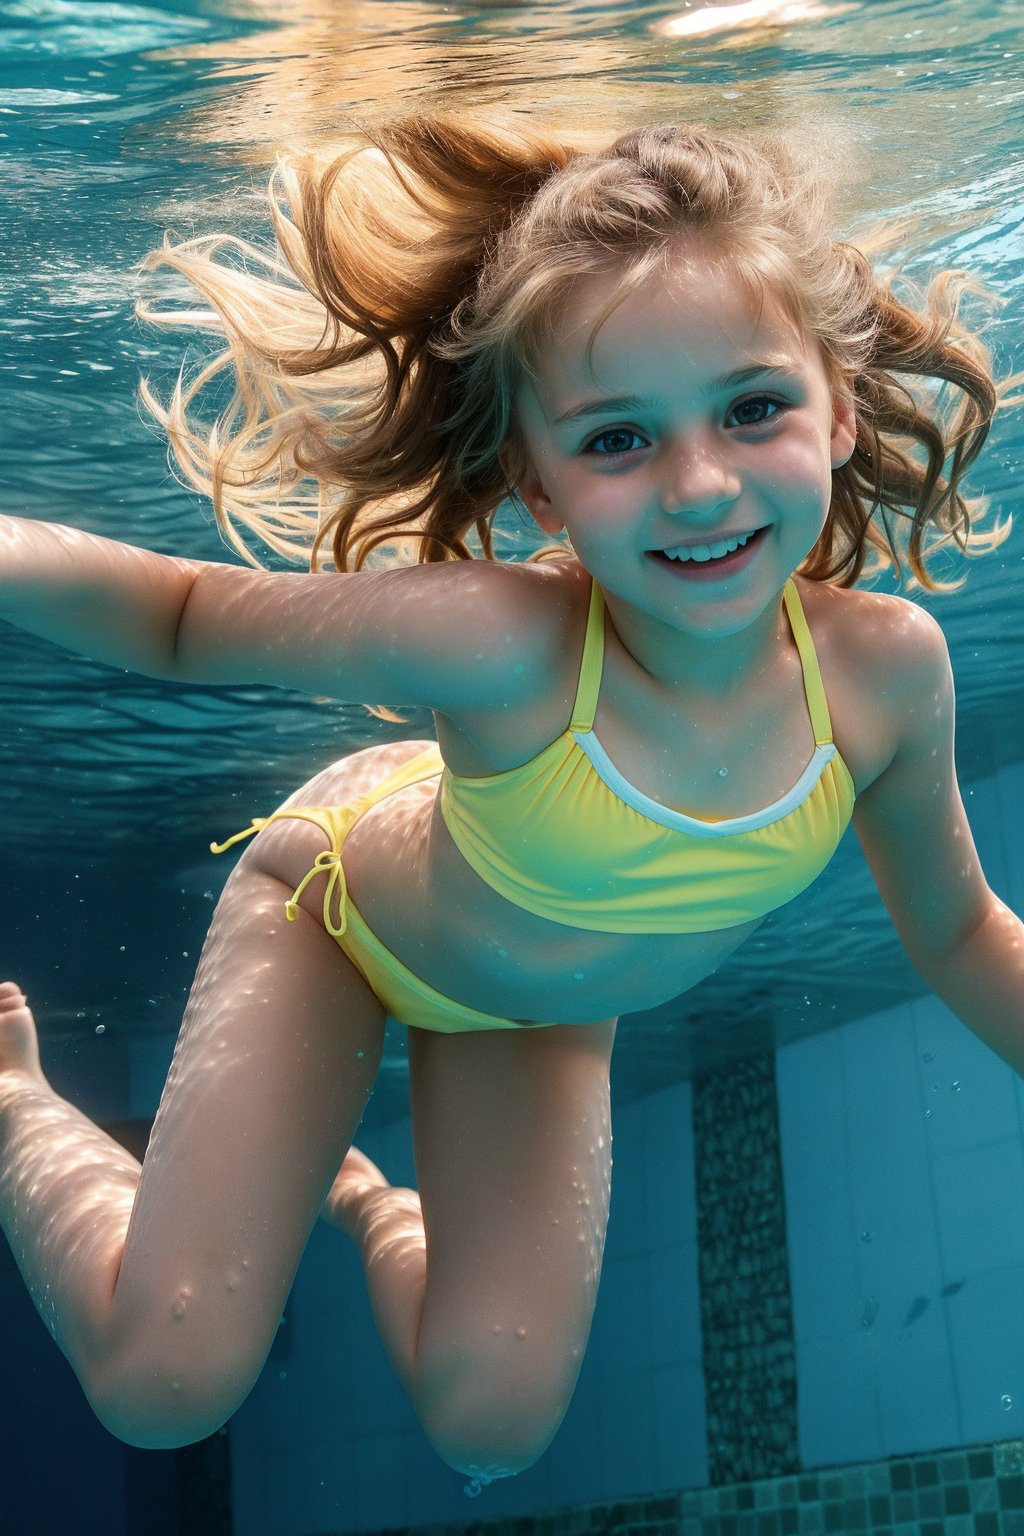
<point>709,565</point>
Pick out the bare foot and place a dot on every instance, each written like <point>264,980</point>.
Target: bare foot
<point>19,1043</point>
<point>357,1178</point>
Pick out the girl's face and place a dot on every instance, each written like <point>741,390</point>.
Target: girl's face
<point>654,447</point>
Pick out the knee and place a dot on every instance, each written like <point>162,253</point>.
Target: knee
<point>161,1410</point>
<point>494,1429</point>
<point>491,1447</point>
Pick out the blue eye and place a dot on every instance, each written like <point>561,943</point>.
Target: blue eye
<point>759,400</point>
<point>603,437</point>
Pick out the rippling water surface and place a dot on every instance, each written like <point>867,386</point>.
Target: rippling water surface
<point>118,121</point>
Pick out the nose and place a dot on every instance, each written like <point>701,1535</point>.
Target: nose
<point>698,478</point>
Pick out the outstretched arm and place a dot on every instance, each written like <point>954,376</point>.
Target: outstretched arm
<point>107,600</point>
<point>965,943</point>
<point>982,981</point>
<point>458,637</point>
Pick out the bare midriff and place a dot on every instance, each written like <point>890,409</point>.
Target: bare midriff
<point>439,918</point>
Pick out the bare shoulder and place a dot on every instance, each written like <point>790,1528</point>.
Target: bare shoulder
<point>519,678</point>
<point>491,630</point>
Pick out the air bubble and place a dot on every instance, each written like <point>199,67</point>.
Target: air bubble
<point>175,1386</point>
<point>101,1029</point>
<point>1006,1401</point>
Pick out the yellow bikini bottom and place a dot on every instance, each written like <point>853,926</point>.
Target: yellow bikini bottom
<point>404,996</point>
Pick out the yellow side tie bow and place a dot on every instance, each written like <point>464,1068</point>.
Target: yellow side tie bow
<point>329,862</point>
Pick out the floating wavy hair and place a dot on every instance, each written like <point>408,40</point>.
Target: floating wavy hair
<point>376,352</point>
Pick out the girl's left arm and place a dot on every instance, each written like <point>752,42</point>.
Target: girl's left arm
<point>965,943</point>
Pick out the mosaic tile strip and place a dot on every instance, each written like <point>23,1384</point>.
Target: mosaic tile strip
<point>978,1491</point>
<point>746,1310</point>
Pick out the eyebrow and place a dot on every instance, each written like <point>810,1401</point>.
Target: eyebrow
<point>638,403</point>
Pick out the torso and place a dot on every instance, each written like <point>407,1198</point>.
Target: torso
<point>448,926</point>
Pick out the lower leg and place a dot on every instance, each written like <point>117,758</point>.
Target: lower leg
<point>66,1195</point>
<point>386,1225</point>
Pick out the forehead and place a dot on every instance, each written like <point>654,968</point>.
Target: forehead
<point>696,320</point>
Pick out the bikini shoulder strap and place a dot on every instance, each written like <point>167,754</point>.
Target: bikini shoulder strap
<point>585,706</point>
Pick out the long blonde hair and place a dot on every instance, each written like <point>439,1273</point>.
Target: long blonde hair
<point>375,353</point>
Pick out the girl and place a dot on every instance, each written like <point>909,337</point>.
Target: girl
<point>644,745</point>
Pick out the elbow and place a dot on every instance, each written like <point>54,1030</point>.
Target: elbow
<point>178,648</point>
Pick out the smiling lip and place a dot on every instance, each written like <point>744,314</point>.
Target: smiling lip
<point>719,538</point>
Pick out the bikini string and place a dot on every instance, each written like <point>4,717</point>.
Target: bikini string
<point>328,862</point>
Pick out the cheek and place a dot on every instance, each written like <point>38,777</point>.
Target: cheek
<point>803,466</point>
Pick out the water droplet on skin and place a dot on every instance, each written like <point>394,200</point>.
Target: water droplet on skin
<point>496,1328</point>
<point>180,1304</point>
<point>245,1263</point>
<point>520,1333</point>
<point>175,1386</point>
<point>234,1280</point>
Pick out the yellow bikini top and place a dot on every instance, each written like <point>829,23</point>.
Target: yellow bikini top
<point>567,837</point>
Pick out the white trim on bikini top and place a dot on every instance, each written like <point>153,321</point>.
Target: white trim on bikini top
<point>654,811</point>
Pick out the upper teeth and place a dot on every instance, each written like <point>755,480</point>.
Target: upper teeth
<point>707,551</point>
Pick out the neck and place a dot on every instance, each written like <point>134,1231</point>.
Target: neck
<point>711,669</point>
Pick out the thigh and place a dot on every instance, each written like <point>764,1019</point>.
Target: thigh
<point>277,1054</point>
<point>512,1140</point>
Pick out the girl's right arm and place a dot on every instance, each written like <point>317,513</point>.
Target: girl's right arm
<point>455,637</point>
<point>107,600</point>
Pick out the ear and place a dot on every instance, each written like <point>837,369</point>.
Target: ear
<point>844,427</point>
<point>537,502</point>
